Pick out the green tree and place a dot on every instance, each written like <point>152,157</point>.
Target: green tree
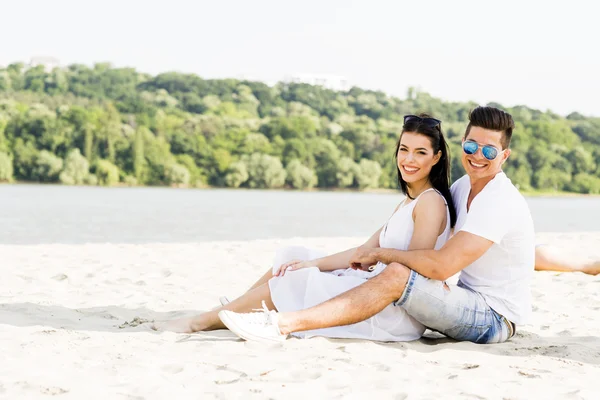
<point>549,179</point>
<point>107,173</point>
<point>25,157</point>
<point>3,141</point>
<point>237,174</point>
<point>255,143</point>
<point>197,176</point>
<point>177,174</point>
<point>585,183</point>
<point>581,160</point>
<point>299,127</point>
<point>109,133</point>
<point>368,174</point>
<point>157,157</point>
<point>300,176</point>
<point>347,171</point>
<point>35,79</point>
<point>149,126</point>
<point>139,161</point>
<point>88,141</point>
<point>326,156</point>
<point>296,149</point>
<point>5,81</point>
<point>264,171</point>
<point>6,168</point>
<point>76,170</point>
<point>47,167</point>
<point>520,177</point>
<point>456,168</point>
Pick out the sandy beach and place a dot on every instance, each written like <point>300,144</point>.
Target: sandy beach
<point>75,323</point>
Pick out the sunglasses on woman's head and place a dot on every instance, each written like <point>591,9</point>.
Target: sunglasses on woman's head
<point>430,122</point>
<point>489,152</point>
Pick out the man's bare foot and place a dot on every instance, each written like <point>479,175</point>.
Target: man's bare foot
<point>181,325</point>
<point>592,269</point>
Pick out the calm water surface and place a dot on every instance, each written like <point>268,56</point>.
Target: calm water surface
<point>31,214</point>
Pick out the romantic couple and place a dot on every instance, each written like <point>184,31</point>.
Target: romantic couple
<point>394,286</point>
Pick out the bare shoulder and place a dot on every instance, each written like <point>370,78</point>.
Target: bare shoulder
<point>431,201</point>
<point>430,208</point>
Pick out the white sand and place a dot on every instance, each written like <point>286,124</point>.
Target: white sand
<point>68,316</point>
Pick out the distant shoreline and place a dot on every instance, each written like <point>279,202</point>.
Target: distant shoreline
<point>532,193</point>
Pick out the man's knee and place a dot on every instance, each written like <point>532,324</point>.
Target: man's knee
<point>397,275</point>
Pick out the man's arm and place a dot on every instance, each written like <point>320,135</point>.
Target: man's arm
<point>459,252</point>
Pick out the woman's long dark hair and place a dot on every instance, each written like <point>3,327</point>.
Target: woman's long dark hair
<point>439,176</point>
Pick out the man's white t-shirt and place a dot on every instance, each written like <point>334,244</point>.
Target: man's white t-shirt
<point>503,274</point>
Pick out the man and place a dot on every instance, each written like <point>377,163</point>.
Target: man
<point>554,258</point>
<point>493,249</point>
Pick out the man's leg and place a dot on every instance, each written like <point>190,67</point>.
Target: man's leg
<point>355,305</point>
<point>454,310</point>
<point>209,321</point>
<point>551,258</point>
<point>458,312</point>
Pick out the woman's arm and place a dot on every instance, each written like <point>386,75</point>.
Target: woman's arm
<point>429,217</point>
<point>335,261</point>
<point>332,262</point>
<point>342,260</point>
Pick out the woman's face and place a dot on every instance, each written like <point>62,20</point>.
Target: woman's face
<point>416,157</point>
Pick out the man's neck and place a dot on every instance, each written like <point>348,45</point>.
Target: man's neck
<point>477,185</point>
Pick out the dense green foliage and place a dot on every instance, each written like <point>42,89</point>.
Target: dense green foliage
<point>107,126</point>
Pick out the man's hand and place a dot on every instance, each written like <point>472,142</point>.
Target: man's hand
<point>363,258</point>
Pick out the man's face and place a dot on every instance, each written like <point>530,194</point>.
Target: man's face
<point>476,165</point>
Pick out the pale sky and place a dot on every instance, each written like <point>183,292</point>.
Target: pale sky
<point>543,54</point>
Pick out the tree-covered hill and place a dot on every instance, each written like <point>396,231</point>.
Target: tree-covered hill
<point>107,126</point>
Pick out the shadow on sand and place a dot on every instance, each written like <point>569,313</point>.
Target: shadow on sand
<point>581,349</point>
<point>103,319</point>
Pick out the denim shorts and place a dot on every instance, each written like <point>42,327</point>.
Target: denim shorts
<point>454,310</point>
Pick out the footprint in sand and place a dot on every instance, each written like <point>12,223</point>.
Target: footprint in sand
<point>53,391</point>
<point>528,375</point>
<point>227,375</point>
<point>305,375</point>
<point>137,321</point>
<point>172,369</point>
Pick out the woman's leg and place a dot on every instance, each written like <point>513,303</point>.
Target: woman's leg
<point>209,320</point>
<point>550,258</point>
<point>287,254</point>
<point>263,279</point>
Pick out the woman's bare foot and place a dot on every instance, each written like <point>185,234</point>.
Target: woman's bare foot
<point>181,325</point>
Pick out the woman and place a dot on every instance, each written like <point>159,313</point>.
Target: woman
<point>423,220</point>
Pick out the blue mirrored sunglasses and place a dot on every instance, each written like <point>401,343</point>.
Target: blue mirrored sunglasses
<point>489,152</point>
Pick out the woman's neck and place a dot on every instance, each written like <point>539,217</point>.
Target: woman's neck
<point>416,188</point>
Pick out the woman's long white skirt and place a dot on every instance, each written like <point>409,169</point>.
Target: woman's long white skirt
<point>305,288</point>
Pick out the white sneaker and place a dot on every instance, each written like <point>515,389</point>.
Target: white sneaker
<point>224,300</point>
<point>258,326</point>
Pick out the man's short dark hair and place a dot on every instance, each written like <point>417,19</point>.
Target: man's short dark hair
<point>493,119</point>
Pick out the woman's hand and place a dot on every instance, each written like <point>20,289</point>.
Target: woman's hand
<point>294,266</point>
